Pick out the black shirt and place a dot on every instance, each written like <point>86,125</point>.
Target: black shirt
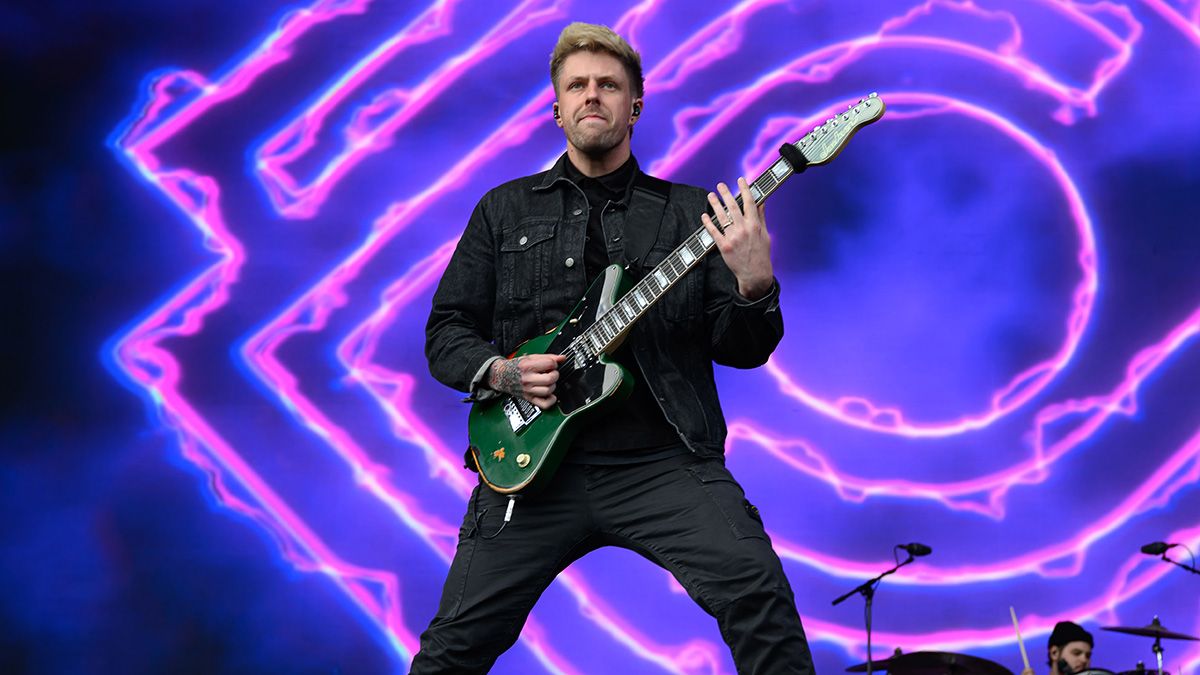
<point>636,430</point>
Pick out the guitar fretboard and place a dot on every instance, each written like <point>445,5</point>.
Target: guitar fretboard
<point>817,147</point>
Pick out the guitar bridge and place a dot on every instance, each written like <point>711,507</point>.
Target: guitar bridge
<point>520,412</point>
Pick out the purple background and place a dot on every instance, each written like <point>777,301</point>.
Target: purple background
<point>220,229</point>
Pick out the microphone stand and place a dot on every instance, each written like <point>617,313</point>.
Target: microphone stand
<point>867,589</point>
<point>1189,568</point>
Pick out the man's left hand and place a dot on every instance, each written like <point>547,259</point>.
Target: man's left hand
<point>745,244</point>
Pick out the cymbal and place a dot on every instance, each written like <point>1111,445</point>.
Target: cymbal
<point>1154,630</point>
<point>875,666</point>
<point>934,663</point>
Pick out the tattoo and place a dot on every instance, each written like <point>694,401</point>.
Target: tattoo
<point>506,377</point>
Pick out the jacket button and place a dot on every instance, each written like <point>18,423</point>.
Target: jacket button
<point>577,212</point>
<point>569,262</point>
<point>523,241</point>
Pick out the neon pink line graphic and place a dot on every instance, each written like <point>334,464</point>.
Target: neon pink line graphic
<point>389,112</point>
<point>860,412</point>
<point>1188,25</point>
<point>1094,412</point>
<point>196,95</point>
<point>178,99</point>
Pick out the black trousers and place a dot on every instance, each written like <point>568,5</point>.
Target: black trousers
<point>685,514</point>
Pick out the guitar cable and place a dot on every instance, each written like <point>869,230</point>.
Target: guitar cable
<point>508,511</point>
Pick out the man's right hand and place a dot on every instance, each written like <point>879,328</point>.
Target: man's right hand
<point>529,377</point>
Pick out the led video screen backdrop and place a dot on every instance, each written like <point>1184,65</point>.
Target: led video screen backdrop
<point>991,299</point>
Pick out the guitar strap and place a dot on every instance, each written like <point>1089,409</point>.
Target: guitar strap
<point>646,209</point>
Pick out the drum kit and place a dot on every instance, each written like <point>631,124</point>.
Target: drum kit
<point>948,663</point>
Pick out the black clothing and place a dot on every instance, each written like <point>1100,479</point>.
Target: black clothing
<point>608,192</point>
<point>518,270</point>
<point>643,433</point>
<point>685,514</point>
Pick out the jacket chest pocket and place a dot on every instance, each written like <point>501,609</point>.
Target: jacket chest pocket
<point>525,253</point>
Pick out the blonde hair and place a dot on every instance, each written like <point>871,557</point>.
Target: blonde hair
<point>590,37</point>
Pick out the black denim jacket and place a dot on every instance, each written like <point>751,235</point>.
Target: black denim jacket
<point>518,271</point>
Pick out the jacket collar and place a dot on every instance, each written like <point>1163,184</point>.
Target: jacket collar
<point>558,172</point>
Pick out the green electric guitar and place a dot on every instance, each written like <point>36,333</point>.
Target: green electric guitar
<point>516,445</point>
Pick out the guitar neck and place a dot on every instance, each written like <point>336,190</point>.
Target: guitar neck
<point>819,146</point>
<point>602,335</point>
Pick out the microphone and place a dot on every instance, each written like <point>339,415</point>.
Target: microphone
<point>1157,548</point>
<point>1063,668</point>
<point>915,550</point>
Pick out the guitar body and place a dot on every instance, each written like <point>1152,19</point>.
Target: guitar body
<point>515,445</point>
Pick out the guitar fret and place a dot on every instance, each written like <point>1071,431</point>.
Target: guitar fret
<point>706,239</point>
<point>780,170</point>
<point>627,313</point>
<point>772,179</point>
<point>687,256</point>
<point>669,269</point>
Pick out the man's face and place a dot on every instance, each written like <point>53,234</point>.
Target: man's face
<point>1078,655</point>
<point>595,102</point>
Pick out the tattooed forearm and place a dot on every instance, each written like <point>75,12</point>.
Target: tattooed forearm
<point>505,376</point>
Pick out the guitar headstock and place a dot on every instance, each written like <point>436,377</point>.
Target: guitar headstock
<point>824,143</point>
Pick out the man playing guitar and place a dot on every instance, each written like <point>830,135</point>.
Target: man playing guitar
<point>649,474</point>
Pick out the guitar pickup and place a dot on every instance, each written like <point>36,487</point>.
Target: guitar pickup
<point>520,412</point>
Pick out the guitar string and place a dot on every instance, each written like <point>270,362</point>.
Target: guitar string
<point>628,309</point>
<point>765,184</point>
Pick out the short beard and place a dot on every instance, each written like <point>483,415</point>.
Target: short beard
<point>595,145</point>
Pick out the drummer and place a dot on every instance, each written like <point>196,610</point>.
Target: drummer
<point>1069,646</point>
